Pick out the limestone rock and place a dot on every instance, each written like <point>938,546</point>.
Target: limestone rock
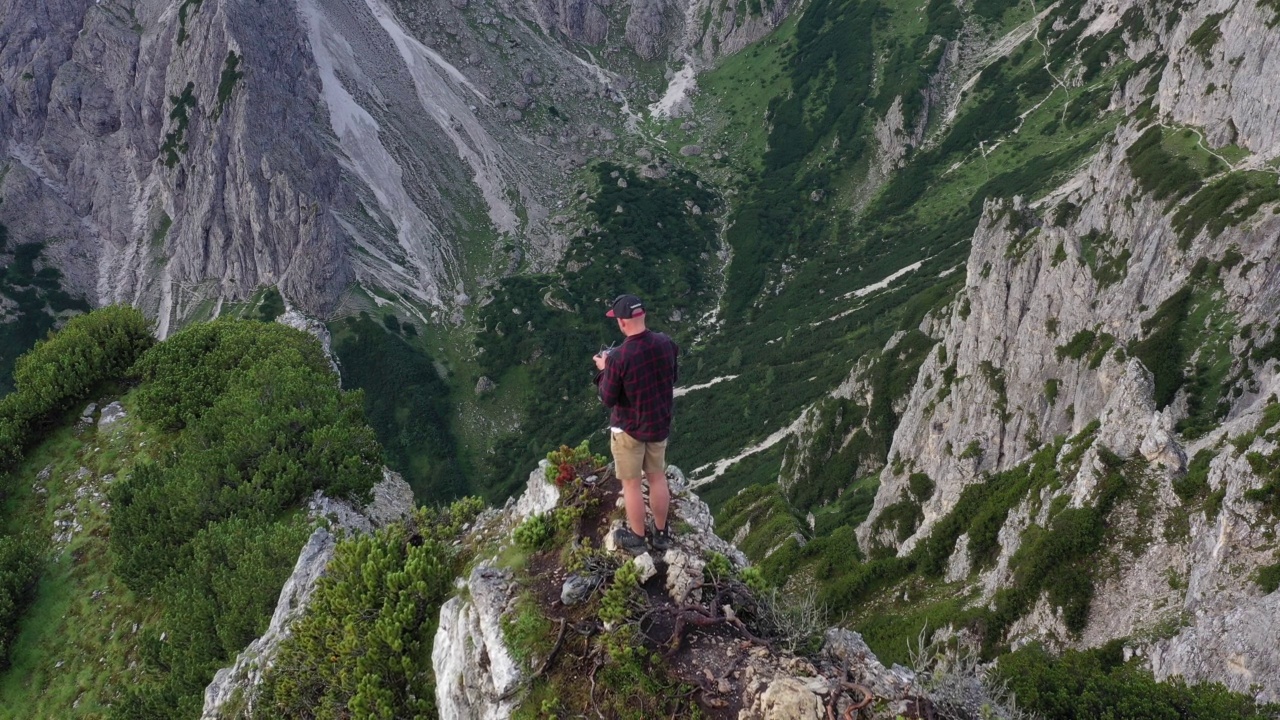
<point>540,496</point>
<point>580,20</point>
<point>468,640</point>
<point>111,414</point>
<point>645,28</point>
<point>577,588</point>
<point>297,320</point>
<point>684,573</point>
<point>644,563</point>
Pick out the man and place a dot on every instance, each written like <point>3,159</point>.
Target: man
<point>636,380</point>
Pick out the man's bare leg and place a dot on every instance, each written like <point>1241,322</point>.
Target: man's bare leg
<point>633,497</point>
<point>659,499</point>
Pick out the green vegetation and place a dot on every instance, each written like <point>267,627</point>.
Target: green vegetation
<point>162,230</point>
<point>1108,268</point>
<point>1060,561</point>
<point>1266,467</point>
<point>771,519</point>
<point>827,252</point>
<point>78,640</point>
<point>59,372</point>
<point>19,570</point>
<point>1227,202</point>
<point>406,402</point>
<point>1066,546</point>
<point>1195,484</point>
<point>182,105</point>
<point>40,302</point>
<point>272,305</point>
<point>1206,36</point>
<point>1274,7</point>
<point>208,530</point>
<point>1098,683</point>
<point>830,78</point>
<point>1051,390</point>
<point>1187,346</point>
<point>63,369</point>
<point>364,647</point>
<point>1268,578</point>
<point>227,82</point>
<point>187,7</point>
<point>545,328</point>
<point>1170,165</point>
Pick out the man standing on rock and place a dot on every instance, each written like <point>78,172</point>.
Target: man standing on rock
<point>637,381</point>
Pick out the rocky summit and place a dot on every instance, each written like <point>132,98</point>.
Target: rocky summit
<point>979,396</point>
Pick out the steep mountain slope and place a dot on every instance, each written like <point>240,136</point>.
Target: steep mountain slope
<point>183,155</point>
<point>978,299</point>
<point>1126,300</point>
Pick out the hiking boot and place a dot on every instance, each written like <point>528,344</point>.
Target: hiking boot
<point>629,542</point>
<point>660,540</point>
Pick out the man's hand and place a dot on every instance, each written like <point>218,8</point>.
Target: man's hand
<point>599,359</point>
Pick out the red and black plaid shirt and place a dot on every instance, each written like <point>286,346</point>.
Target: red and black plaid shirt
<point>637,382</point>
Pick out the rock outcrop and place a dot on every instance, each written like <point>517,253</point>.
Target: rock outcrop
<point>391,500</point>
<point>734,674</point>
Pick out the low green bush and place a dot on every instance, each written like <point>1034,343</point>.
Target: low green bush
<point>20,562</point>
<point>1098,683</point>
<point>364,647</point>
<point>183,376</point>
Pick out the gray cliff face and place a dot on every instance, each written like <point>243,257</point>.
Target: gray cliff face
<point>654,29</point>
<point>177,156</point>
<point>85,159</point>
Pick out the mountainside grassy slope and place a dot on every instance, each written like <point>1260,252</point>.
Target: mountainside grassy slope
<point>143,548</point>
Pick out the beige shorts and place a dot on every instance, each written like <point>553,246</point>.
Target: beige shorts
<point>631,457</point>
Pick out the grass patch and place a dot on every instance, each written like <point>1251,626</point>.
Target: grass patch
<point>78,641</point>
<point>1170,164</point>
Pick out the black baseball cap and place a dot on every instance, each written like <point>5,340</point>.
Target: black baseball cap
<point>626,307</point>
